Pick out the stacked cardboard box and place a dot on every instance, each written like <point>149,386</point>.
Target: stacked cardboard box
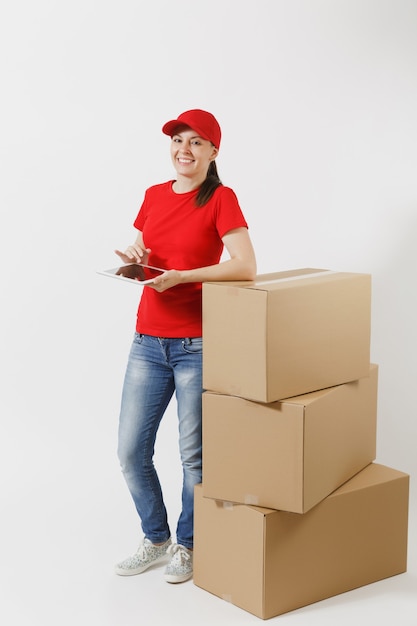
<point>292,508</point>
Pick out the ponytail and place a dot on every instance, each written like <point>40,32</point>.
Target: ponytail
<point>209,186</point>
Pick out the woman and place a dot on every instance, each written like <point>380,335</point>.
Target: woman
<point>183,226</point>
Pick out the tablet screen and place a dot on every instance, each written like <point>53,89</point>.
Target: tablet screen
<point>134,272</point>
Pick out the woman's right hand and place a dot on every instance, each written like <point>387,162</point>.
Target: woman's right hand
<point>134,254</point>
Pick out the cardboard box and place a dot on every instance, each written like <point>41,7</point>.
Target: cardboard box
<point>290,454</point>
<point>270,562</point>
<point>286,333</point>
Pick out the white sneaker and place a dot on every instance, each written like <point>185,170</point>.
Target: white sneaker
<point>180,568</point>
<point>146,555</point>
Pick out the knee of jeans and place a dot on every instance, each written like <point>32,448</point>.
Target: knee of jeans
<point>192,474</point>
<point>191,446</point>
<point>135,451</point>
<point>192,459</point>
<point>129,457</point>
<point>125,460</point>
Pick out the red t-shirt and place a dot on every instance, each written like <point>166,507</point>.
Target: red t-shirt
<point>181,236</point>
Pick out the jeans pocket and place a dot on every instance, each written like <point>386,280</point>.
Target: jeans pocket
<point>138,338</point>
<point>192,345</point>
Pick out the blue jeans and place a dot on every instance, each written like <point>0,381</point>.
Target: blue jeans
<point>156,368</point>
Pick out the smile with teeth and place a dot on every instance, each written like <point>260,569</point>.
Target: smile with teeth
<point>186,161</point>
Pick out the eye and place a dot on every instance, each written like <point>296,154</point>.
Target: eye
<point>195,142</point>
<point>176,140</point>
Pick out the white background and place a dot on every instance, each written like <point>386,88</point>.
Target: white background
<point>317,100</point>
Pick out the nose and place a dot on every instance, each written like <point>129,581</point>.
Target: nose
<point>185,146</point>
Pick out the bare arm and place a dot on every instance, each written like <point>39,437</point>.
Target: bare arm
<point>240,266</point>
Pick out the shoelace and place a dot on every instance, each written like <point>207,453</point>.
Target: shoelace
<point>179,551</point>
<point>141,552</point>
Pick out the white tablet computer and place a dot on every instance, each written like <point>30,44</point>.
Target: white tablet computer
<point>134,273</point>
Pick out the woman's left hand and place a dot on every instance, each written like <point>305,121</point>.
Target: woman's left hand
<point>165,281</point>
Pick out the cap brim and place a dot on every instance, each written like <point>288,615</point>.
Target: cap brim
<point>170,127</point>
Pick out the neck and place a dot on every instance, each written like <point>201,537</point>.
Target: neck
<point>184,184</point>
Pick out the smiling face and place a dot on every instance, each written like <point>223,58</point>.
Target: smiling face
<point>191,156</point>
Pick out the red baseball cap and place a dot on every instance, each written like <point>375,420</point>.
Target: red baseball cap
<point>203,122</point>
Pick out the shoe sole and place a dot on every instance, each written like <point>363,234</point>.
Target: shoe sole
<point>170,578</point>
<point>120,571</point>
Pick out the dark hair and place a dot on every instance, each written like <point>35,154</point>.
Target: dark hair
<point>209,186</point>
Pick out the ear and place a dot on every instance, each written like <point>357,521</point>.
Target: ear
<point>214,153</point>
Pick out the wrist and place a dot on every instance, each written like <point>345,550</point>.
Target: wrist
<point>184,276</point>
